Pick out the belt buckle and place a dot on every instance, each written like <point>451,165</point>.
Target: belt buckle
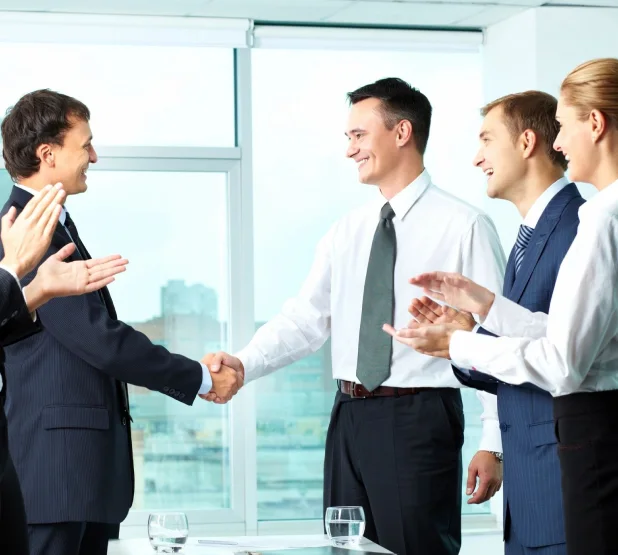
<point>353,391</point>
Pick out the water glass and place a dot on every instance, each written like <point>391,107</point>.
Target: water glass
<point>345,525</point>
<point>168,532</point>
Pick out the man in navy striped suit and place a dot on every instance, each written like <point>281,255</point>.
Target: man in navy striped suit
<point>24,241</point>
<point>517,156</point>
<point>67,404</point>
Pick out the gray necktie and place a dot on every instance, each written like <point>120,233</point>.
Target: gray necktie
<point>374,346</point>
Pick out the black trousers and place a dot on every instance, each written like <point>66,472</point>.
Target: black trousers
<point>13,530</point>
<point>400,459</point>
<point>587,431</point>
<point>69,538</point>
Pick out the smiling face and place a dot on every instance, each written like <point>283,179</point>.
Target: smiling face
<point>374,148</point>
<point>575,141</point>
<point>71,160</point>
<point>499,156</point>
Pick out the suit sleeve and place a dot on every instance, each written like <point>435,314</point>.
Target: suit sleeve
<point>15,320</point>
<point>83,326</point>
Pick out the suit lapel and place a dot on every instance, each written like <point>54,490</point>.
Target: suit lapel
<point>545,227</point>
<point>509,275</point>
<point>61,237</point>
<point>537,243</point>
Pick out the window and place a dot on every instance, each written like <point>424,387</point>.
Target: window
<point>172,228</point>
<point>138,95</point>
<point>183,216</point>
<point>301,174</point>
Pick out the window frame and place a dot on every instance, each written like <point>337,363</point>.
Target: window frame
<point>236,162</point>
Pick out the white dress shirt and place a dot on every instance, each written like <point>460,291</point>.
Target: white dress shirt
<point>540,204</point>
<point>435,230</point>
<point>206,379</point>
<point>575,347</point>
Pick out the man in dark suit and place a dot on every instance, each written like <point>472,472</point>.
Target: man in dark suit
<point>517,155</point>
<point>24,242</point>
<point>67,407</point>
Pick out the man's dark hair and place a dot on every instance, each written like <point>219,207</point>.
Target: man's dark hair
<point>399,101</point>
<point>39,117</point>
<point>534,110</point>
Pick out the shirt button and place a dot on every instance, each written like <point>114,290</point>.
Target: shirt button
<point>124,421</point>
<point>503,427</point>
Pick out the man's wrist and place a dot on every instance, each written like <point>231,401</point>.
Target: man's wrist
<point>487,306</point>
<point>35,295</point>
<point>497,454</point>
<point>13,266</point>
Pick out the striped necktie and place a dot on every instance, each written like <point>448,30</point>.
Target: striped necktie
<point>523,238</point>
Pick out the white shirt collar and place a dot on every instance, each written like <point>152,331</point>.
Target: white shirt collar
<point>540,204</point>
<point>63,213</point>
<point>405,199</point>
<point>603,201</point>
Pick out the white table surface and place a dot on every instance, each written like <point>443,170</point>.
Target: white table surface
<point>142,546</point>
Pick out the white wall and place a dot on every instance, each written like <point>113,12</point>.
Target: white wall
<point>536,50</point>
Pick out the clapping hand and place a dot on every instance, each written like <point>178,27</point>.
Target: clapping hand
<point>456,290</point>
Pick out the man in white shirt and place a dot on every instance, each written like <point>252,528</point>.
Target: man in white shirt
<point>396,432</point>
<point>517,156</point>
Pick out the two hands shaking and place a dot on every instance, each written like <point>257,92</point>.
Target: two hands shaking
<point>228,376</point>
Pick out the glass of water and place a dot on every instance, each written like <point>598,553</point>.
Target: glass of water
<point>168,532</point>
<point>345,525</point>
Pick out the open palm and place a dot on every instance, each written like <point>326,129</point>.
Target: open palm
<point>62,279</point>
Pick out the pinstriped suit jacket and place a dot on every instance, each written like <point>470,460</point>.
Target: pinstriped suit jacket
<point>532,490</point>
<point>15,324</point>
<point>69,433</point>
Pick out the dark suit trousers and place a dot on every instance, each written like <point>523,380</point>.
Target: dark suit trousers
<point>69,538</point>
<point>587,430</point>
<point>13,530</point>
<point>400,459</point>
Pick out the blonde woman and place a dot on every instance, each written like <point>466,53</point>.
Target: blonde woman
<point>573,351</point>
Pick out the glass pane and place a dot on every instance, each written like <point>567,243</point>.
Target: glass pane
<point>300,170</point>
<point>137,95</point>
<point>175,291</point>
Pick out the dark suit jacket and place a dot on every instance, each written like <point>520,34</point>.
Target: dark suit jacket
<point>15,324</point>
<point>67,406</point>
<point>532,490</point>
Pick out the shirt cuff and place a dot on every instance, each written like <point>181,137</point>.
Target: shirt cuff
<point>252,361</point>
<point>491,322</point>
<point>206,380</point>
<point>491,438</point>
<point>464,345</point>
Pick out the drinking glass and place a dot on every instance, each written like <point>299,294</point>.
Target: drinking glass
<point>345,525</point>
<point>168,532</point>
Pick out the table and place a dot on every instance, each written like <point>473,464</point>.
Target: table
<point>142,546</point>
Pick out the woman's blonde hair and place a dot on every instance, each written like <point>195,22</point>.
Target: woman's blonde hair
<point>591,86</point>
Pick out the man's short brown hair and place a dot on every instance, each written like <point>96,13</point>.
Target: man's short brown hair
<point>39,117</point>
<point>534,110</point>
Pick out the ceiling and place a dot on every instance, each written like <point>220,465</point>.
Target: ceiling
<point>431,13</point>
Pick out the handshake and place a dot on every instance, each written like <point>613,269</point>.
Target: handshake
<point>228,376</point>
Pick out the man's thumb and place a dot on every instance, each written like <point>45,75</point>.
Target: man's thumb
<point>471,484</point>
<point>65,251</point>
<point>9,218</point>
<point>215,363</point>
